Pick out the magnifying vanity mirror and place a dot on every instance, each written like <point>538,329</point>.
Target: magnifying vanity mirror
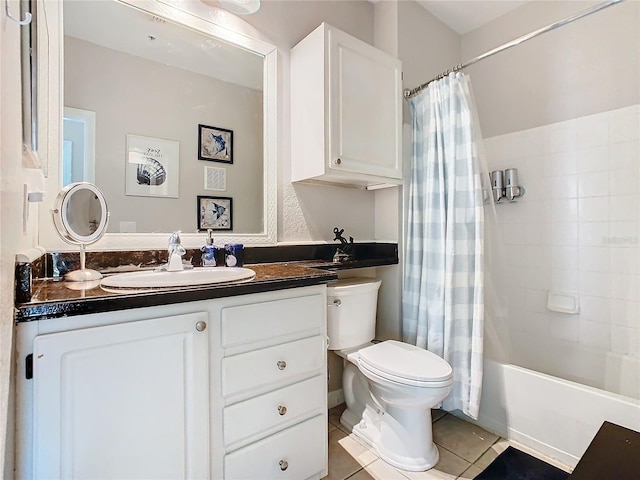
<point>157,81</point>
<point>81,217</point>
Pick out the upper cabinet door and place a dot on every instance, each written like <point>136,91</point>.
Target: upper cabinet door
<point>123,401</point>
<point>365,108</point>
<point>346,111</point>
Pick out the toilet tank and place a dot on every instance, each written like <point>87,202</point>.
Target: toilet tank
<point>351,312</point>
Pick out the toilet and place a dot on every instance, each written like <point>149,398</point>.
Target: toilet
<point>389,387</point>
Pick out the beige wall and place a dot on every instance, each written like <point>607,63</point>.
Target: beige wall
<point>171,107</point>
<point>386,27</point>
<point>12,238</point>
<point>587,67</point>
<point>426,46</point>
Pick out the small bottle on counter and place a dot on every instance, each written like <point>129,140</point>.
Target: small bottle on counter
<point>209,251</point>
<point>234,255</point>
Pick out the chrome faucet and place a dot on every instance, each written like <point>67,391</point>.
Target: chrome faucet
<point>176,251</point>
<point>174,241</point>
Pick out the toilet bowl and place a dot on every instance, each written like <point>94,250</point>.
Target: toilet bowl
<point>389,387</point>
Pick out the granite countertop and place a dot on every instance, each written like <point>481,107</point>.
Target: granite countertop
<point>54,299</point>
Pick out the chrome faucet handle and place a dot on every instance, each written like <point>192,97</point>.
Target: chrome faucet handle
<point>176,251</point>
<point>175,246</point>
<point>174,239</point>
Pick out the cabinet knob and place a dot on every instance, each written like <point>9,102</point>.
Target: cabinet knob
<point>282,410</point>
<point>283,465</point>
<point>281,365</point>
<point>338,161</point>
<point>201,326</point>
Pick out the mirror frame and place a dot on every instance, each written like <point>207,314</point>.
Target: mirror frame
<point>197,16</point>
<point>61,217</point>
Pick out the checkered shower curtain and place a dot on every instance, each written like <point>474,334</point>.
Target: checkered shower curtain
<point>443,296</point>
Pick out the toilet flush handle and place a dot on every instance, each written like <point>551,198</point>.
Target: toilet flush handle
<point>336,303</point>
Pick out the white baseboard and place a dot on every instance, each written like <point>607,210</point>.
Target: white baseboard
<point>335,398</point>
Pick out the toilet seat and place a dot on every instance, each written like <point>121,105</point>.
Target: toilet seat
<point>405,364</point>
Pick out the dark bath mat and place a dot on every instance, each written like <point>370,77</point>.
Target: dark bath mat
<point>513,464</point>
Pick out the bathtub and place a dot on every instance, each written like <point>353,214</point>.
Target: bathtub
<point>555,417</point>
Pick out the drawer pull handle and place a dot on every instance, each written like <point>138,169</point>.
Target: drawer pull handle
<point>282,365</point>
<point>283,465</point>
<point>282,410</point>
<point>201,326</point>
<point>338,161</point>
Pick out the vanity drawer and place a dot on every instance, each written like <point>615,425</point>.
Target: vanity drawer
<point>274,409</point>
<point>295,453</point>
<point>272,365</point>
<point>265,320</point>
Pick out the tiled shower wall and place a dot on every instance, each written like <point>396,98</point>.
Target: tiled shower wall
<point>575,231</point>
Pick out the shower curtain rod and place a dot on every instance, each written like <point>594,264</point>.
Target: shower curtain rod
<point>408,93</point>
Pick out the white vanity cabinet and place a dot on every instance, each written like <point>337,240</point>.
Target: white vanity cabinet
<point>346,111</point>
<point>123,401</point>
<point>274,388</point>
<point>232,388</point>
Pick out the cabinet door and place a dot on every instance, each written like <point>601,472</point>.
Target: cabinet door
<point>123,401</point>
<point>366,108</point>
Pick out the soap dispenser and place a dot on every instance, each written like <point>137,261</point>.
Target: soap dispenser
<point>209,251</point>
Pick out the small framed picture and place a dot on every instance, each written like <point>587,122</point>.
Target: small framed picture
<point>215,179</point>
<point>215,144</point>
<point>215,213</point>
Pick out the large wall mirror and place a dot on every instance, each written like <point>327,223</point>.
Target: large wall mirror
<point>160,107</point>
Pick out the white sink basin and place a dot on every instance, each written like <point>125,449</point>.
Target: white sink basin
<point>183,278</point>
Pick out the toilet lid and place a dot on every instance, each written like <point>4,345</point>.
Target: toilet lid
<point>405,361</point>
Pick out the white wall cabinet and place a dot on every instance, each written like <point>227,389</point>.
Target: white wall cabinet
<point>346,111</point>
<point>147,393</point>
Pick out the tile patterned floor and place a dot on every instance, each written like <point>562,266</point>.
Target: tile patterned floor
<point>465,451</point>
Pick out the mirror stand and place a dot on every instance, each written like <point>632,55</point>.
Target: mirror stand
<point>84,274</point>
<point>81,217</point>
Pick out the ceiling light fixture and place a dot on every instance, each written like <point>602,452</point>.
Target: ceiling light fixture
<point>241,7</point>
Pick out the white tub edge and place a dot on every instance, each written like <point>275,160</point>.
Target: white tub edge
<point>554,417</point>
